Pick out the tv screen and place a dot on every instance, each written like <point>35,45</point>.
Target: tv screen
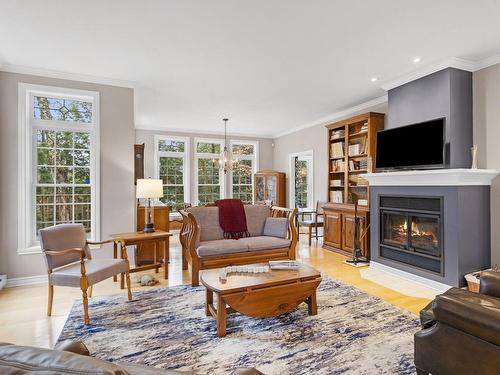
<point>416,146</point>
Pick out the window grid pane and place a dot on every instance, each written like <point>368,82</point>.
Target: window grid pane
<point>209,181</point>
<point>242,181</point>
<point>63,187</point>
<point>172,175</point>
<point>46,108</point>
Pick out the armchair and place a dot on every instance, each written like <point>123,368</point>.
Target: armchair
<point>69,262</point>
<point>461,331</point>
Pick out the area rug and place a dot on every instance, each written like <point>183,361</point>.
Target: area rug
<point>353,333</point>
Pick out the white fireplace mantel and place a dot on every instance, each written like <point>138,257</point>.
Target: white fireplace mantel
<point>434,177</point>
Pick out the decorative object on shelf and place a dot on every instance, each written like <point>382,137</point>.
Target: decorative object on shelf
<point>473,150</point>
<point>150,189</point>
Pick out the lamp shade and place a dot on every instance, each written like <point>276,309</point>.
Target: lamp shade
<point>149,188</point>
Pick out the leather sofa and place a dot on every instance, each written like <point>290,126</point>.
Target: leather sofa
<point>273,236</point>
<point>73,357</point>
<point>461,331</point>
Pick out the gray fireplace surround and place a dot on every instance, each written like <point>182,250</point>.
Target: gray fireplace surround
<point>464,219</point>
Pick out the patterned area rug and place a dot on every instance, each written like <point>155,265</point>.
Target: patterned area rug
<point>353,333</point>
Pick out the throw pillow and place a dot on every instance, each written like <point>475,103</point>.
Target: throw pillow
<point>276,227</point>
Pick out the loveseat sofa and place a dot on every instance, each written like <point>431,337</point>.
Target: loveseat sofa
<point>461,331</point>
<point>273,236</point>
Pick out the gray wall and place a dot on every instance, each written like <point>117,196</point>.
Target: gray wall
<point>487,136</point>
<point>147,137</point>
<point>447,93</point>
<point>117,137</point>
<point>313,138</point>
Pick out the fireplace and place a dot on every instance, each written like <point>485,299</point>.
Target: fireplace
<point>411,231</point>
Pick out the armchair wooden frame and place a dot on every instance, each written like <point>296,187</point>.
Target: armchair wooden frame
<point>189,235</point>
<point>84,284</point>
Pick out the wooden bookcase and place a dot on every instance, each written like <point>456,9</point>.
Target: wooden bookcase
<point>351,152</point>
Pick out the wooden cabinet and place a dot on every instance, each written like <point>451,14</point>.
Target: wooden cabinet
<point>333,229</point>
<point>270,186</point>
<point>145,254</point>
<point>351,152</point>
<point>339,229</point>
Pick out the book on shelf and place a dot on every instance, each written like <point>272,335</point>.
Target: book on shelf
<point>337,150</point>
<point>336,183</point>
<point>363,164</point>
<point>284,264</point>
<point>336,196</point>
<point>363,202</point>
<point>354,149</point>
<point>364,128</point>
<point>336,134</point>
<point>338,166</point>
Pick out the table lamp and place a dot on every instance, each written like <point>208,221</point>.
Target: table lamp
<point>150,189</point>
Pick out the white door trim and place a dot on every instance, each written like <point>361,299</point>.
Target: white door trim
<point>291,174</point>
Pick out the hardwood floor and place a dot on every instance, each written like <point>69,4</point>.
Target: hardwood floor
<point>23,317</point>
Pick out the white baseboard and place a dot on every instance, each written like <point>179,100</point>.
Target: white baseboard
<point>3,281</point>
<point>30,280</point>
<point>440,287</point>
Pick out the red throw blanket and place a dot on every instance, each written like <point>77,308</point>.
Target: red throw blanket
<point>232,218</point>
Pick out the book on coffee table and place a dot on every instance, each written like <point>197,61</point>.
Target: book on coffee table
<point>284,265</point>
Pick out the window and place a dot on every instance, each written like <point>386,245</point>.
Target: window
<point>301,182</point>
<point>172,161</point>
<point>58,159</point>
<point>209,178</point>
<point>245,155</point>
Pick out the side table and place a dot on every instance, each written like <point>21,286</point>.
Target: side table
<point>158,237</point>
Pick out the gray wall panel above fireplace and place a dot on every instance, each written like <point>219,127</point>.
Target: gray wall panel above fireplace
<point>466,243</point>
<point>448,94</point>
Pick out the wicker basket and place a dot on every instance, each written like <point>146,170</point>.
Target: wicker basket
<point>473,280</point>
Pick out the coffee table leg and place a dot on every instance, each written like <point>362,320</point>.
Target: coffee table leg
<point>221,316</point>
<point>312,305</point>
<point>210,301</point>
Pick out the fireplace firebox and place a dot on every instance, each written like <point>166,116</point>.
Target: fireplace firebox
<point>411,231</point>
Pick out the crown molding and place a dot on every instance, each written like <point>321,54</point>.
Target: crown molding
<point>200,133</point>
<point>453,62</point>
<point>20,69</point>
<point>336,115</point>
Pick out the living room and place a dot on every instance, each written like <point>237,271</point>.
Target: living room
<point>265,187</point>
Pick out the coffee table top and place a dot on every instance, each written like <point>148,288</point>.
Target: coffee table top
<point>239,280</point>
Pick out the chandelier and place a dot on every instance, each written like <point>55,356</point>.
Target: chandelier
<point>226,162</point>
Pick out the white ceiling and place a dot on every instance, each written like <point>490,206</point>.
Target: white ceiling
<point>269,65</point>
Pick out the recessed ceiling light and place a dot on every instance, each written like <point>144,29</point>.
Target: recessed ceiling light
<point>374,79</point>
<point>416,59</point>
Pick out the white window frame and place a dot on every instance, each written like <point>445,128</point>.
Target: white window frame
<point>254,158</point>
<point>184,155</point>
<point>27,243</point>
<point>291,180</point>
<point>199,155</point>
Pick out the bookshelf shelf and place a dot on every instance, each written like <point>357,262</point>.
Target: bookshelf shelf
<point>354,138</point>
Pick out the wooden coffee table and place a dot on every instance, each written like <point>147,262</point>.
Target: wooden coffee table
<point>259,295</point>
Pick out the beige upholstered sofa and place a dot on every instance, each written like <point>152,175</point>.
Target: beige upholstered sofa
<point>273,236</point>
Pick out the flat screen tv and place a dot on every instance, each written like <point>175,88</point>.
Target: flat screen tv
<point>416,146</point>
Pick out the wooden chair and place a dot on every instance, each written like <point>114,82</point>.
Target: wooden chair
<point>69,262</point>
<point>316,221</point>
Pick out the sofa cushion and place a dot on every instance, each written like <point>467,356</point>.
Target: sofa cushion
<point>276,227</point>
<point>208,220</point>
<point>221,247</point>
<point>256,218</point>
<point>264,243</point>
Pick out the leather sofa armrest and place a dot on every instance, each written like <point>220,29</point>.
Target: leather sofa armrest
<point>76,347</point>
<point>472,313</point>
<point>490,283</point>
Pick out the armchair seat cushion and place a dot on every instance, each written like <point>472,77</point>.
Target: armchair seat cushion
<point>264,243</point>
<point>221,247</point>
<point>96,270</point>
